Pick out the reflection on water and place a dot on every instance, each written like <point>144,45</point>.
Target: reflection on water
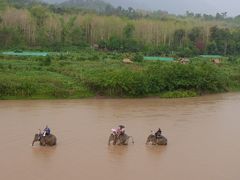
<point>117,150</point>
<point>156,150</point>
<point>43,152</point>
<point>116,153</point>
<point>203,139</point>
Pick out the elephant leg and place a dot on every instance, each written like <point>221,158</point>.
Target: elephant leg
<point>42,142</point>
<point>126,141</point>
<point>120,141</point>
<point>109,140</point>
<point>148,140</point>
<point>115,140</point>
<point>154,142</point>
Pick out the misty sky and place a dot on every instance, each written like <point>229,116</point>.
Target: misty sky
<point>181,6</point>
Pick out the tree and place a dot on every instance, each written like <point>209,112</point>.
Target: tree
<point>10,37</point>
<point>196,38</point>
<point>221,37</point>
<point>128,31</point>
<point>200,45</point>
<point>221,16</point>
<point>179,35</point>
<point>23,3</point>
<point>198,15</point>
<point>40,14</point>
<point>109,9</point>
<point>212,48</point>
<point>208,17</point>
<point>195,34</point>
<point>114,43</point>
<point>77,37</point>
<point>189,14</point>
<point>3,4</point>
<point>66,28</point>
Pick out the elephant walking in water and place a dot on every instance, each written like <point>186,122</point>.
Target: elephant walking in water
<point>49,140</point>
<point>119,140</point>
<point>156,141</point>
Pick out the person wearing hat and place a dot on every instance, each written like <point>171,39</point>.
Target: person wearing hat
<point>158,134</point>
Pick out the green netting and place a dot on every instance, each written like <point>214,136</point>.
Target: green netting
<point>154,58</point>
<point>25,53</point>
<point>211,56</point>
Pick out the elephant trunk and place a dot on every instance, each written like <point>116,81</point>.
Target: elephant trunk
<point>34,141</point>
<point>36,138</point>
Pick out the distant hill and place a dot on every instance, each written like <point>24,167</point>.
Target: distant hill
<point>23,2</point>
<point>177,6</point>
<point>97,5</point>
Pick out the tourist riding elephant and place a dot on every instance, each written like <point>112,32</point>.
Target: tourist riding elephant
<point>156,141</point>
<point>49,140</point>
<point>119,140</point>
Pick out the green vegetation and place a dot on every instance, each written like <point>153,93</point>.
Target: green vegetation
<point>32,79</point>
<point>74,25</point>
<point>91,73</point>
<point>88,40</point>
<point>97,5</point>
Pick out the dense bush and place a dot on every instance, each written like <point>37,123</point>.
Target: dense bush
<point>87,73</point>
<point>17,87</point>
<point>138,57</point>
<point>157,78</point>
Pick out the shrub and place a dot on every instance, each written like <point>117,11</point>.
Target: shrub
<point>138,57</point>
<point>46,62</point>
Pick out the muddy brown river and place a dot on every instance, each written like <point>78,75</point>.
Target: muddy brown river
<point>203,139</point>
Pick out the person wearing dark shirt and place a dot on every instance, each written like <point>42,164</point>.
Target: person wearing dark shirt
<point>158,134</point>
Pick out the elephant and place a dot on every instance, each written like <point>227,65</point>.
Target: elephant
<point>49,140</point>
<point>119,140</point>
<point>156,141</point>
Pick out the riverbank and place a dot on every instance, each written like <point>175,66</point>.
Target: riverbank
<point>85,74</point>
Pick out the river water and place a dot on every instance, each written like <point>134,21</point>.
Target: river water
<point>203,139</point>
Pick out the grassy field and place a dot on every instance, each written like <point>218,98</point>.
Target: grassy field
<point>91,73</point>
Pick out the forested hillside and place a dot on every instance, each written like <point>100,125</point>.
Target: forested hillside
<point>34,25</point>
